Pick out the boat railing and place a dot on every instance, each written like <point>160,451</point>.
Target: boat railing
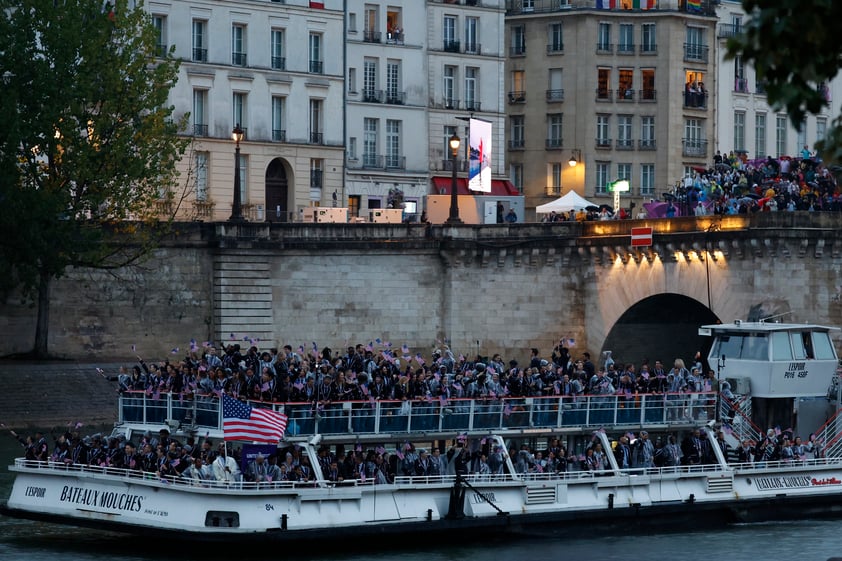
<point>828,435</point>
<point>736,414</point>
<point>202,413</point>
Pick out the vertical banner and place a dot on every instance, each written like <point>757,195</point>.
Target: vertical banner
<point>479,171</point>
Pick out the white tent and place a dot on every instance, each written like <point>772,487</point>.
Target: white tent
<point>571,201</point>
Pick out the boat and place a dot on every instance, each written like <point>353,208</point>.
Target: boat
<point>466,506</point>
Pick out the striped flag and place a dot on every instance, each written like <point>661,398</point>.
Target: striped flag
<point>241,421</point>
<point>606,4</point>
<point>694,5</point>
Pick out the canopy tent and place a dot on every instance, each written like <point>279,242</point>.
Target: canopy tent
<point>571,201</point>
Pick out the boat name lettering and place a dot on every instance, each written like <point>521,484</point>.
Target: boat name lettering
<point>102,499</point>
<point>791,482</point>
<point>796,370</point>
<point>826,481</point>
<point>35,492</point>
<point>478,498</point>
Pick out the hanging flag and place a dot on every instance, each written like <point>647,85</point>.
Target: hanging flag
<point>606,4</point>
<point>694,5</point>
<point>241,421</point>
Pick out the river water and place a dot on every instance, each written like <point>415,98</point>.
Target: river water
<point>806,540</point>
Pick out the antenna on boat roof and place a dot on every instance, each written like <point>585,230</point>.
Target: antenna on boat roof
<point>763,320</point>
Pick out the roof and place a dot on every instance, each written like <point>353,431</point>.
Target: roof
<point>763,326</point>
<point>570,201</point>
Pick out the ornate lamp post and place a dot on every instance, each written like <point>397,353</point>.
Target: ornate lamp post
<point>237,205</point>
<point>454,201</point>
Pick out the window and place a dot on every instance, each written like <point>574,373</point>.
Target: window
<point>278,131</point>
<point>554,184</point>
<point>393,144</point>
<point>449,131</point>
<point>740,82</point>
<point>694,143</point>
<point>352,80</point>
<point>518,91</point>
<point>821,128</point>
<point>554,90</point>
<point>394,25</point>
<point>200,47</point>
<point>780,135</point>
<point>315,47</point>
<point>472,35</point>
<point>202,176</point>
<point>393,82</point>
<point>695,93</point>
<point>739,131</point>
<point>244,164</point>
<point>647,179</point>
<point>801,138</point>
<point>603,84</point>
<point>626,45</point>
<point>370,80</point>
<point>554,130</point>
<point>352,148</point>
<point>471,97</point>
<point>647,132</point>
<point>603,37</point>
<point>352,22</point>
<point>277,46</point>
<point>316,173</point>
<point>316,136</point>
<point>760,135</point>
<point>556,39</point>
<point>200,120</point>
<point>450,101</point>
<point>647,84</point>
<point>624,133</point>
<point>518,38</point>
<point>238,45</point>
<point>516,176</point>
<point>603,139</point>
<point>238,103</point>
<point>371,29</point>
<point>625,89</point>
<point>517,136</point>
<point>624,171</point>
<point>160,25</point>
<point>369,142</point>
<point>603,176</point>
<point>451,44</point>
<point>648,42</point>
<point>695,48</point>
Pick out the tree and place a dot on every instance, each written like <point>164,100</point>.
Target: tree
<point>793,47</point>
<point>88,145</point>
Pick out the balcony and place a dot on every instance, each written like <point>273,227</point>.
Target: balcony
<point>161,50</point>
<point>394,37</point>
<point>279,135</point>
<point>317,67</point>
<point>279,63</point>
<point>646,95</point>
<point>396,98</point>
<point>447,165</point>
<point>555,95</point>
<point>695,53</point>
<point>552,144</point>
<point>516,144</point>
<point>317,138</point>
<point>625,49</point>
<point>625,94</point>
<point>555,48</point>
<point>371,36</point>
<point>604,48</point>
<point>395,162</point>
<point>552,190</point>
<point>200,130</point>
<point>372,96</point>
<point>316,178</point>
<point>741,85</point>
<point>603,143</point>
<point>473,105</point>
<point>372,161</point>
<point>694,148</point>
<point>728,30</point>
<point>450,103</point>
<point>625,144</point>
<point>200,55</point>
<point>517,50</point>
<point>473,48</point>
<point>450,46</point>
<point>517,97</point>
<point>695,100</point>
<point>760,87</point>
<point>648,49</point>
<point>239,59</point>
<point>648,144</point>
<point>203,209</point>
<point>603,94</point>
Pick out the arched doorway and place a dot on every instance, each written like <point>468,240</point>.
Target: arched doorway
<point>661,327</point>
<point>277,191</point>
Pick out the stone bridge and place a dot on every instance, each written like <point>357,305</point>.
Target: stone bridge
<point>481,289</point>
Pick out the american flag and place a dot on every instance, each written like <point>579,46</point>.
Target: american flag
<point>244,422</point>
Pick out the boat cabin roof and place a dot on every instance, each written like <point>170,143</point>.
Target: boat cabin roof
<point>739,326</point>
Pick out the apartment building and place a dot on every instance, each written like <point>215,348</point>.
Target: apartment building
<point>601,90</point>
<point>275,69</point>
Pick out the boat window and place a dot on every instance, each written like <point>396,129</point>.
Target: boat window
<point>822,346</point>
<point>755,347</point>
<point>222,519</point>
<point>799,351</point>
<point>728,345</point>
<point>780,346</point>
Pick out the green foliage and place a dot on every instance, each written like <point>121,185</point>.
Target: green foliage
<point>88,144</point>
<point>793,47</point>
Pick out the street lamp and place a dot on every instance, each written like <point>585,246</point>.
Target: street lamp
<point>573,160</point>
<point>237,206</point>
<point>454,201</point>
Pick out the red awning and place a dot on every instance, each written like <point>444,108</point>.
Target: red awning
<point>499,187</point>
